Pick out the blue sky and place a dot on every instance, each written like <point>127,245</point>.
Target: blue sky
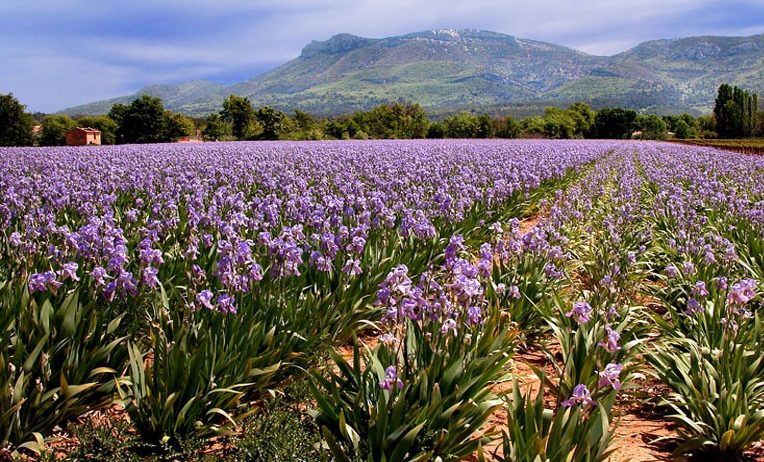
<point>59,53</point>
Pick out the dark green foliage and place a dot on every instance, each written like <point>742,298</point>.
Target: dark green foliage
<point>238,112</point>
<point>62,357</point>
<point>305,127</point>
<point>583,117</point>
<point>145,120</point>
<point>117,113</point>
<point>216,129</point>
<point>462,125</point>
<point>736,112</point>
<point>195,380</point>
<point>717,395</point>
<point>177,126</point>
<point>239,120</point>
<point>436,130</point>
<point>533,127</point>
<point>614,123</point>
<point>272,121</point>
<point>467,125</point>
<point>344,128</point>
<point>109,439</point>
<point>652,127</point>
<point>54,128</point>
<point>15,124</point>
<point>684,125</point>
<point>485,127</point>
<point>535,433</point>
<point>558,124</point>
<point>387,121</point>
<point>682,130</point>
<point>508,128</point>
<point>397,120</point>
<point>444,395</point>
<point>142,121</point>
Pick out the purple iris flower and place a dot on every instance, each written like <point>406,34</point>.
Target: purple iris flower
<point>391,379</point>
<point>352,267</point>
<point>225,304</point>
<point>742,292</point>
<point>449,326</point>
<point>69,271</point>
<point>612,337</point>
<point>700,290</point>
<point>610,376</point>
<point>475,315</point>
<point>98,274</point>
<point>581,395</point>
<point>149,277</point>
<point>40,282</point>
<point>581,312</point>
<point>694,306</point>
<point>204,298</point>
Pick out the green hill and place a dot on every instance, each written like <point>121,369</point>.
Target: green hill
<point>447,70</point>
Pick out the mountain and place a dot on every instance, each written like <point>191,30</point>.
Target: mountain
<point>448,70</point>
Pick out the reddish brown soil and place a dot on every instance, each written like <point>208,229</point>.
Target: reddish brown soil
<point>527,224</point>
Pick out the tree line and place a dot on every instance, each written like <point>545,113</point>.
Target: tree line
<point>145,120</point>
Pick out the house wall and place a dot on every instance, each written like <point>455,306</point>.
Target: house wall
<point>80,138</point>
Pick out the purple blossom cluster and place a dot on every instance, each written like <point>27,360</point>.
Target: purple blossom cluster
<point>234,215</point>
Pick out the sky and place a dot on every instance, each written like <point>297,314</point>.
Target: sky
<point>59,53</point>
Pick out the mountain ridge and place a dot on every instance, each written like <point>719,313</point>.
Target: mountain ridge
<point>448,70</point>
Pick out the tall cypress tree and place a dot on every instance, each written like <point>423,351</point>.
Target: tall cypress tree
<point>735,111</point>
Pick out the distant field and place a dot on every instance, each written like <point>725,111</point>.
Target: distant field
<point>746,146</point>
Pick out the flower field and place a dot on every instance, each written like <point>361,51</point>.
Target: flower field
<point>178,291</point>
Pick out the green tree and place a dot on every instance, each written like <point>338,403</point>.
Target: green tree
<point>216,129</point>
<point>735,111</point>
<point>532,127</point>
<point>54,128</point>
<point>682,130</point>
<point>583,117</point>
<point>177,126</point>
<point>304,121</point>
<point>106,125</point>
<point>117,114</point>
<point>484,127</point>
<point>707,126</point>
<point>273,122</point>
<point>462,125</point>
<point>15,123</point>
<point>683,126</point>
<point>389,121</point>
<point>508,128</point>
<point>653,127</point>
<point>238,111</point>
<point>142,121</point>
<point>614,123</point>
<point>437,130</point>
<point>306,126</point>
<point>559,124</point>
